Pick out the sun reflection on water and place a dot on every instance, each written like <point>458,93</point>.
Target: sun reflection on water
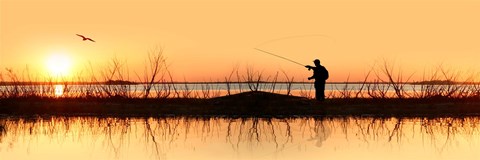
<point>58,90</point>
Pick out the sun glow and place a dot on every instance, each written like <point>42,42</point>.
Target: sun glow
<point>58,65</point>
<point>58,90</point>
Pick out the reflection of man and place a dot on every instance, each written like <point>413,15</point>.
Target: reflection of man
<point>320,74</point>
<point>322,133</point>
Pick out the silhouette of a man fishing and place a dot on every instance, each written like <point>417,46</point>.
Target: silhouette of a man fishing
<point>320,74</point>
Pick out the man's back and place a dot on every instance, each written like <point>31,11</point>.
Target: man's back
<point>320,73</point>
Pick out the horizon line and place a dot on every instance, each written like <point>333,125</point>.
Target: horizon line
<point>122,82</point>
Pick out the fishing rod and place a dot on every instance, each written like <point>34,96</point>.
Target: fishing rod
<point>290,37</point>
<point>280,57</point>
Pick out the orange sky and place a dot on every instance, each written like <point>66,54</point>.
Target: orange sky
<point>205,39</point>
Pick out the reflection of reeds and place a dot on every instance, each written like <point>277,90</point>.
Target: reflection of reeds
<point>116,133</point>
<point>3,130</point>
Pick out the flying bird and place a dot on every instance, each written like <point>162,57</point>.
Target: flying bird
<point>85,38</point>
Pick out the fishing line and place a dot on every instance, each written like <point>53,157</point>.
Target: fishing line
<point>280,57</point>
<point>297,36</point>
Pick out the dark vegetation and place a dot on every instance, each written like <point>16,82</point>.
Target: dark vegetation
<point>384,90</point>
<point>242,104</point>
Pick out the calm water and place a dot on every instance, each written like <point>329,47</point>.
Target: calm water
<point>236,138</point>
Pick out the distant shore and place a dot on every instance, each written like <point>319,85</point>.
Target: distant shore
<point>261,104</point>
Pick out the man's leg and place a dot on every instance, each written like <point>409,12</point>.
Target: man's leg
<point>322,91</point>
<point>319,91</point>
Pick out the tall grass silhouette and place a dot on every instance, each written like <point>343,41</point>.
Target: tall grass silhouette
<point>383,82</point>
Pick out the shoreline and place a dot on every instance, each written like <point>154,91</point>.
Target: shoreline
<point>247,104</point>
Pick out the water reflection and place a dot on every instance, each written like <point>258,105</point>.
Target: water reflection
<point>238,138</point>
<point>59,90</point>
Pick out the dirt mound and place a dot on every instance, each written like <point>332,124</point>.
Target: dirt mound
<point>259,98</point>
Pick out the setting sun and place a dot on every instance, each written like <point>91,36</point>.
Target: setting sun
<point>58,65</point>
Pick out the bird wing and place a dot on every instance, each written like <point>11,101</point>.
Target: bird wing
<point>81,35</point>
<point>90,39</point>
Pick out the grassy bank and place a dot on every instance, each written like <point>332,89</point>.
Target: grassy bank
<point>243,104</point>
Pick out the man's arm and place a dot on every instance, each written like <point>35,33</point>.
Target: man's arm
<point>309,67</point>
